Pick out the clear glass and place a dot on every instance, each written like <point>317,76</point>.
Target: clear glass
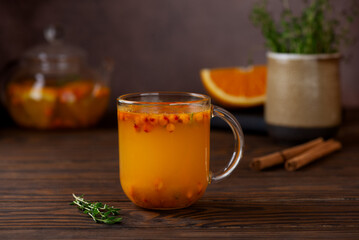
<point>44,101</point>
<point>53,87</point>
<point>164,147</point>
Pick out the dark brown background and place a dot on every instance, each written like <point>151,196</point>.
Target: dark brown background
<point>156,44</point>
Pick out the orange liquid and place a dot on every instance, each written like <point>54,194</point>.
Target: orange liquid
<point>75,104</point>
<point>164,158</point>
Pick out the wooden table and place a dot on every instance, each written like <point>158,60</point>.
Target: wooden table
<point>40,170</point>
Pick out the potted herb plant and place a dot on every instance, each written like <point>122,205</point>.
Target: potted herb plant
<point>303,88</point>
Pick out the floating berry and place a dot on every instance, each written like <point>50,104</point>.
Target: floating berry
<point>198,117</point>
<point>184,118</point>
<point>173,118</point>
<point>120,115</point>
<point>133,193</point>
<point>57,122</point>
<point>153,120</point>
<point>158,184</point>
<point>127,116</point>
<point>168,204</point>
<point>163,120</point>
<point>170,127</point>
<point>199,188</point>
<point>147,127</point>
<point>138,121</point>
<point>137,127</point>
<point>206,115</point>
<point>189,194</point>
<point>144,118</point>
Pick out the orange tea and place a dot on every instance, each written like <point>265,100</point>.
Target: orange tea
<point>164,157</point>
<point>164,148</point>
<point>71,105</point>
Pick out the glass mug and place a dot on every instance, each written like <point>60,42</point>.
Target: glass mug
<point>164,140</point>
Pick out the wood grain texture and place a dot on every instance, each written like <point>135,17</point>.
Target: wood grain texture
<point>40,170</point>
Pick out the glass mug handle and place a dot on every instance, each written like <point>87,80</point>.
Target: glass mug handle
<point>238,142</point>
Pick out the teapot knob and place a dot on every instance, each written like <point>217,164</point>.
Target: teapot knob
<point>53,34</point>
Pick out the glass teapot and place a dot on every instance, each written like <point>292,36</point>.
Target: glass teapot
<point>53,87</point>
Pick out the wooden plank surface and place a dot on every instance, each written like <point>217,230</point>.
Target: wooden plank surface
<point>39,170</point>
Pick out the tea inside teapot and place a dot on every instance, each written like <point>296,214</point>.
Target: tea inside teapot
<point>54,88</point>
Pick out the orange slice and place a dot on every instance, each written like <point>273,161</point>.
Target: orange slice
<point>236,87</point>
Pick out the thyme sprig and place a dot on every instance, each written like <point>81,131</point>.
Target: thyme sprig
<point>100,213</point>
<point>315,30</point>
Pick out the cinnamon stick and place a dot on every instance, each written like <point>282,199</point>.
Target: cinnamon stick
<point>260,163</point>
<point>312,154</point>
<point>280,157</point>
<point>294,151</point>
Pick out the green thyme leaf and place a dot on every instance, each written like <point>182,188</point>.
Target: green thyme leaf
<point>315,30</point>
<point>99,212</point>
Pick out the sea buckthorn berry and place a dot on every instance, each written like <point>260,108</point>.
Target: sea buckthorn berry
<point>69,123</point>
<point>170,127</point>
<point>163,120</point>
<point>155,203</point>
<point>144,118</point>
<point>198,117</point>
<point>138,121</point>
<point>189,194</point>
<point>153,120</point>
<point>158,184</point>
<point>127,116</point>
<point>48,112</point>
<point>199,188</point>
<point>173,118</point>
<point>137,127</point>
<point>184,118</point>
<point>57,122</point>
<point>120,115</point>
<point>168,204</point>
<point>147,127</point>
<point>133,192</point>
<point>206,115</point>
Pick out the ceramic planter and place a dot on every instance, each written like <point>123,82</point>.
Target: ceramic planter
<point>303,96</point>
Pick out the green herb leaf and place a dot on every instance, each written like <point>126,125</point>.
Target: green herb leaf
<point>311,32</point>
<point>100,213</point>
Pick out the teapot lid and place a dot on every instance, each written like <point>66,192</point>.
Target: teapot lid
<point>55,50</point>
